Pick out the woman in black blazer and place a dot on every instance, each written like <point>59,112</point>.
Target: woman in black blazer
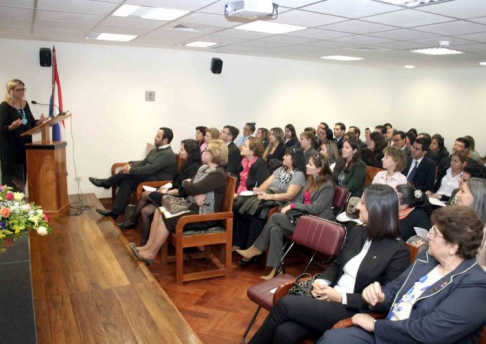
<point>350,171</point>
<point>291,138</point>
<point>372,253</point>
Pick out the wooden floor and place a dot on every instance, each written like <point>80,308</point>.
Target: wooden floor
<point>69,311</point>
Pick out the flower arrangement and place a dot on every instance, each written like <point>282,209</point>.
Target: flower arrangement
<point>17,216</point>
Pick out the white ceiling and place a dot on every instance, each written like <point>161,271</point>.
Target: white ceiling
<point>378,32</point>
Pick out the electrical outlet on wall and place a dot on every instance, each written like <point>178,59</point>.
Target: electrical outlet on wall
<point>149,96</point>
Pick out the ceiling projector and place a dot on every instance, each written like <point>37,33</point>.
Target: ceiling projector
<point>248,8</point>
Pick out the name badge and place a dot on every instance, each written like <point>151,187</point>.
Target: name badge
<point>24,121</point>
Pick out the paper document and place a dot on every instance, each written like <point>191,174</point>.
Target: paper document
<point>149,188</point>
<point>273,290</point>
<point>422,232</point>
<point>343,217</point>
<point>435,201</point>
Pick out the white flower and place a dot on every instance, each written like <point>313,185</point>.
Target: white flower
<point>40,212</point>
<point>42,230</point>
<point>418,193</point>
<point>26,208</point>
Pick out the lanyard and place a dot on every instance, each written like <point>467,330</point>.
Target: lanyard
<point>24,117</point>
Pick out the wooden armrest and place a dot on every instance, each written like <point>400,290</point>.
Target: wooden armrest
<point>203,218</point>
<point>116,166</point>
<point>282,290</point>
<point>155,184</point>
<point>348,322</point>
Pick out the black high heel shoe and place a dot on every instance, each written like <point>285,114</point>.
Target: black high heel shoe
<point>251,261</point>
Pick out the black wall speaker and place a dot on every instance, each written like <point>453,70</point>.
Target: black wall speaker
<point>45,57</point>
<point>216,65</point>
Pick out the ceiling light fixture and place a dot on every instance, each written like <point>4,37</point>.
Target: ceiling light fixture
<point>200,44</point>
<point>443,49</point>
<point>412,3</point>
<point>149,12</point>
<point>111,37</point>
<point>270,27</point>
<point>342,58</point>
<point>482,63</point>
<point>409,67</point>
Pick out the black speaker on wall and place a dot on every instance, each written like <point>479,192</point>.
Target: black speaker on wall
<point>45,57</point>
<point>216,65</point>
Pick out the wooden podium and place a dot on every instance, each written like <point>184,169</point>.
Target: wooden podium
<point>46,169</point>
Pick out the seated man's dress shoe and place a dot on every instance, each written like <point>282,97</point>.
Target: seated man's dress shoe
<point>101,183</point>
<point>107,213</point>
<point>128,224</point>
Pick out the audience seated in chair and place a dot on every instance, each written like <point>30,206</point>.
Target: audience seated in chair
<point>150,201</point>
<point>295,318</point>
<point>160,164</point>
<point>373,153</point>
<point>228,134</point>
<point>284,185</point>
<point>437,299</point>
<point>291,138</point>
<point>248,131</point>
<point>205,192</point>
<point>394,162</point>
<point>420,170</point>
<point>414,210</point>
<point>444,187</point>
<point>275,150</point>
<point>307,145</point>
<point>339,130</point>
<point>350,170</point>
<point>316,200</point>
<point>330,152</point>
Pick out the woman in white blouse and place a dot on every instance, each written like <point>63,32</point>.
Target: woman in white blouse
<point>443,188</point>
<point>394,162</point>
<point>372,252</point>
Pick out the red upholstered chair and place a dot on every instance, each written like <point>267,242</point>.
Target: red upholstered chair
<point>341,197</point>
<point>320,235</point>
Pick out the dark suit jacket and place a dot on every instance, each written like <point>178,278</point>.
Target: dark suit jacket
<point>424,176</point>
<point>407,151</point>
<point>385,260</point>
<point>433,156</point>
<point>339,142</point>
<point>450,311</point>
<point>234,159</point>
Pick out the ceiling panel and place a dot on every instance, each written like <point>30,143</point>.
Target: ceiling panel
<point>462,9</point>
<point>241,34</point>
<point>119,30</point>
<point>358,27</point>
<point>352,8</point>
<point>288,39</point>
<point>16,22</point>
<point>133,22</point>
<point>477,37</point>
<point>16,13</point>
<point>404,35</point>
<point>361,39</point>
<point>208,19</point>
<point>188,5</point>
<point>454,28</point>
<point>68,17</point>
<point>408,18</point>
<point>454,41</point>
<point>319,34</point>
<point>307,19</point>
<point>18,3</point>
<point>84,28</point>
<point>77,6</point>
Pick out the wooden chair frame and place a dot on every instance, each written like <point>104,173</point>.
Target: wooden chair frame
<point>221,258</point>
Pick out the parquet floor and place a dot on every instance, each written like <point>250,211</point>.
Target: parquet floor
<point>217,309</point>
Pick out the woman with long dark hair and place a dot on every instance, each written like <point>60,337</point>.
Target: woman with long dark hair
<point>291,138</point>
<point>373,153</point>
<point>316,200</point>
<point>372,252</point>
<point>350,171</point>
<point>414,208</point>
<point>150,201</point>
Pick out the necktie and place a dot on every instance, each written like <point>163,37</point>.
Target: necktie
<point>412,174</point>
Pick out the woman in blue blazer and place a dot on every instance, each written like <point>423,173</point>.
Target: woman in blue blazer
<point>439,299</point>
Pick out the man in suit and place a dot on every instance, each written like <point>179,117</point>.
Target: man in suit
<point>228,134</point>
<point>339,130</point>
<point>399,141</point>
<point>420,170</point>
<point>431,155</point>
<point>357,131</point>
<point>160,164</point>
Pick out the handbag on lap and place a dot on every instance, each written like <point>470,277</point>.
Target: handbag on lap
<point>175,205</point>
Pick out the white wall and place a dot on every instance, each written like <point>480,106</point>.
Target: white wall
<point>104,87</point>
<point>451,102</point>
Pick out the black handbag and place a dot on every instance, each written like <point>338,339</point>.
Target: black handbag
<point>303,288</point>
<point>295,214</point>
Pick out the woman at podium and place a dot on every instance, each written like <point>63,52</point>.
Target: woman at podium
<point>15,119</point>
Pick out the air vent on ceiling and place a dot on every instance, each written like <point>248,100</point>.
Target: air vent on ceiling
<point>184,28</point>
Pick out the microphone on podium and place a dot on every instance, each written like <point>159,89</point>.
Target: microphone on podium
<point>60,112</point>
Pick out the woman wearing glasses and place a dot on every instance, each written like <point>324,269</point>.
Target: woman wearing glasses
<point>316,200</point>
<point>15,119</point>
<point>439,299</point>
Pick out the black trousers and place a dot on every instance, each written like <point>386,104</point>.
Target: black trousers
<point>295,318</point>
<point>126,184</point>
